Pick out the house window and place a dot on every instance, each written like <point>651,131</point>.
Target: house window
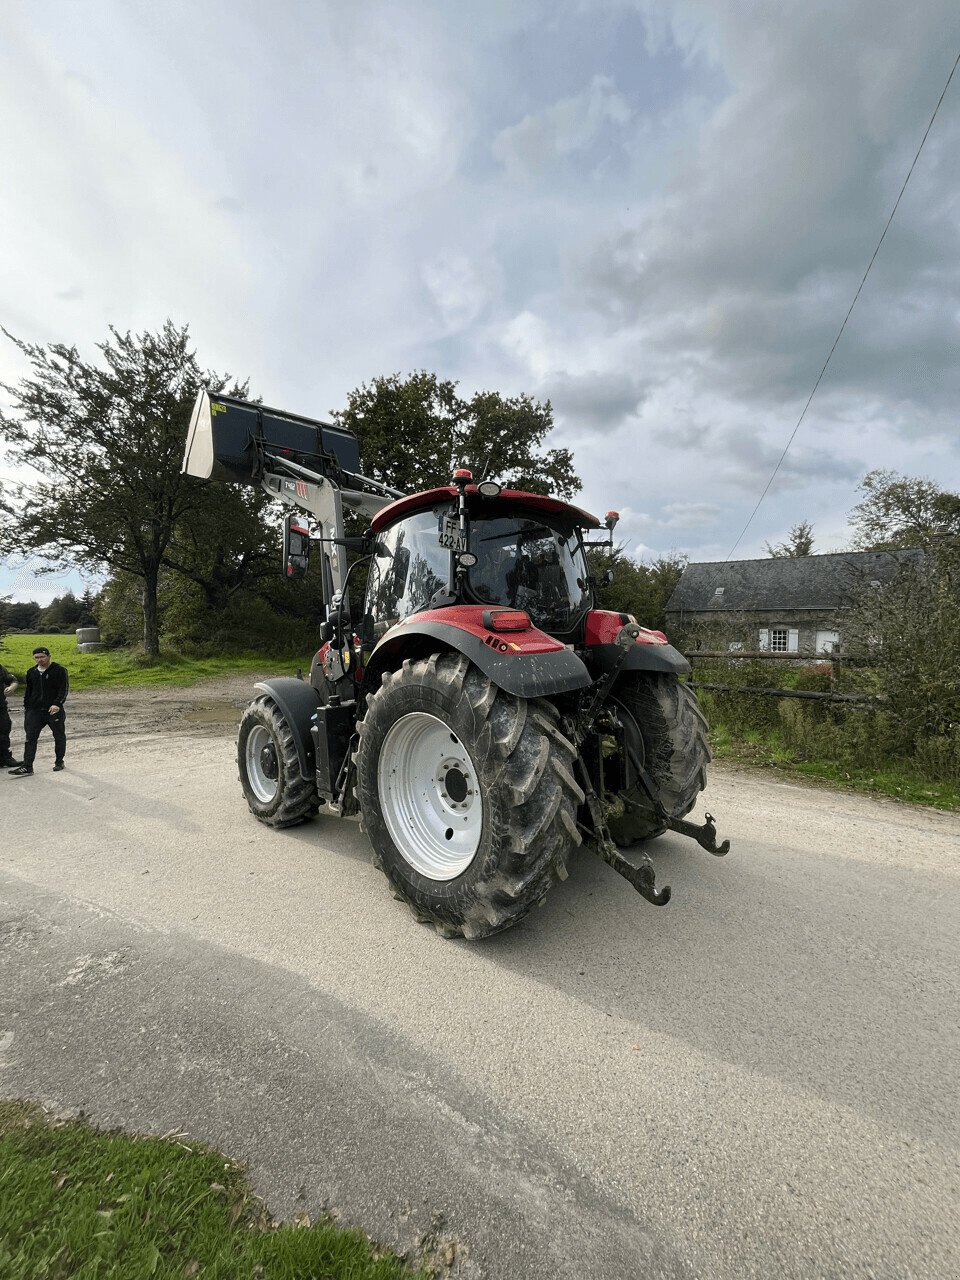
<point>780,639</point>
<point>827,641</point>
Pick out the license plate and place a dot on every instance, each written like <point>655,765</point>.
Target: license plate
<point>452,537</point>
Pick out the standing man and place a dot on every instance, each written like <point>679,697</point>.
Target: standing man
<point>8,683</point>
<point>47,686</point>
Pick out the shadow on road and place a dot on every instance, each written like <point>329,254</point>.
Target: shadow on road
<point>777,967</point>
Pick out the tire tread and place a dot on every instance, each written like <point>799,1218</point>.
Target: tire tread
<point>519,750</point>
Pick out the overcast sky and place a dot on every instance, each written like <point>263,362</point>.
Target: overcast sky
<point>655,214</point>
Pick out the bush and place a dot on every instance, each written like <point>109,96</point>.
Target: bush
<point>853,736</point>
<point>939,758</point>
<point>909,633</point>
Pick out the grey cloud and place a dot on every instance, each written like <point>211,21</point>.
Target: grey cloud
<point>690,515</point>
<point>681,434</point>
<point>77,77</point>
<point>745,263</point>
<point>594,401</point>
<point>568,126</point>
<point>747,459</point>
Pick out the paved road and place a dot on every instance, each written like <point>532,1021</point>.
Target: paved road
<point>758,1080</point>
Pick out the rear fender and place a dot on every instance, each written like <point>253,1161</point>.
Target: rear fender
<point>651,651</point>
<point>528,664</point>
<point>298,702</point>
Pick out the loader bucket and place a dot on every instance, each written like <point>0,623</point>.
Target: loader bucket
<point>228,439</point>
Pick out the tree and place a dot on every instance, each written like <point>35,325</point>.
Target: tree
<point>107,441</point>
<point>637,588</point>
<point>903,511</point>
<point>907,631</point>
<point>23,615</point>
<point>62,611</point>
<point>88,604</point>
<point>799,543</point>
<point>413,431</point>
<point>226,547</point>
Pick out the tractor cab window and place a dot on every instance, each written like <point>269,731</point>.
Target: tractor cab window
<point>526,564</point>
<point>408,567</point>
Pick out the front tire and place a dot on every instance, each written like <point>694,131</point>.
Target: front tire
<point>276,790</point>
<point>667,729</point>
<point>467,795</point>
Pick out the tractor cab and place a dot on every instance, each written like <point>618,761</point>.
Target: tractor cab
<point>481,545</point>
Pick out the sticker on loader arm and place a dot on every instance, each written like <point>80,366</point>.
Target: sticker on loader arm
<point>452,536</point>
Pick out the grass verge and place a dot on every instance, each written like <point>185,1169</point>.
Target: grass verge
<point>118,668</point>
<point>766,750</point>
<point>80,1203</point>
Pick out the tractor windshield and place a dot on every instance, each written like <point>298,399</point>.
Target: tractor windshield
<point>526,564</point>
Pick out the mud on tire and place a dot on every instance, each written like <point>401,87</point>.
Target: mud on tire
<point>526,799</point>
<point>672,734</point>
<point>275,788</point>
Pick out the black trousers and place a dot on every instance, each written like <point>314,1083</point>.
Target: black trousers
<point>5,726</point>
<point>33,721</point>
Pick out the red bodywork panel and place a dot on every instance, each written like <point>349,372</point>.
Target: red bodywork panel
<point>424,501</point>
<point>469,618</point>
<point>603,627</point>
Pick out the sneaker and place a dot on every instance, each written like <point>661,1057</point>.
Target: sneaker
<point>10,764</point>
<point>21,771</point>
<point>58,766</point>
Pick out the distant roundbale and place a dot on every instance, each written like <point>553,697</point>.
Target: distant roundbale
<point>88,635</point>
<point>91,646</point>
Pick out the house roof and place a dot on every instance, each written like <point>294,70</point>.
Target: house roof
<point>801,582</point>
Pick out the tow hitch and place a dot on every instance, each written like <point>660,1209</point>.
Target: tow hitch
<point>643,876</point>
<point>705,836</point>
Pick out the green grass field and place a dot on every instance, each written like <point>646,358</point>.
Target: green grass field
<point>78,1202</point>
<point>120,667</point>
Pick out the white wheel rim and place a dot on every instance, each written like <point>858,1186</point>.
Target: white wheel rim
<point>260,743</point>
<point>429,796</point>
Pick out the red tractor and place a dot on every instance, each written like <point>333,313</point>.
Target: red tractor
<point>476,711</point>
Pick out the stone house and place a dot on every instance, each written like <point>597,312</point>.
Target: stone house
<point>778,604</point>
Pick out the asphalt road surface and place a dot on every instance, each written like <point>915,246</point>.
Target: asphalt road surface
<point>758,1080</point>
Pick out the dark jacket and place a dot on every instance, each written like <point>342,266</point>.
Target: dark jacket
<point>6,677</point>
<point>46,689</point>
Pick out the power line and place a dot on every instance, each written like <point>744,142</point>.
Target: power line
<point>886,228</point>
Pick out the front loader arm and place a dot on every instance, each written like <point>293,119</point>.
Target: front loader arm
<point>301,462</point>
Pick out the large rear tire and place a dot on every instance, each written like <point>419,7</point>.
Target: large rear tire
<point>666,727</point>
<point>467,795</point>
<point>276,790</point>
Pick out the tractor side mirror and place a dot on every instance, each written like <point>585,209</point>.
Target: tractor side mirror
<point>296,547</point>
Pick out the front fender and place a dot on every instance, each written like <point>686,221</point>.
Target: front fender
<point>527,664</point>
<point>298,701</point>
